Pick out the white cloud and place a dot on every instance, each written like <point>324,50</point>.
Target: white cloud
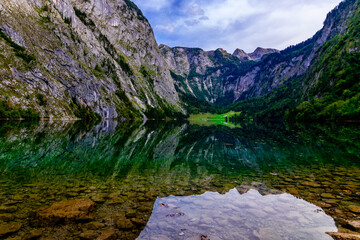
<point>232,24</point>
<point>167,28</point>
<point>192,22</point>
<point>195,10</point>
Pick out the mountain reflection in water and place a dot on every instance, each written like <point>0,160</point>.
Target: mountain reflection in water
<point>127,167</point>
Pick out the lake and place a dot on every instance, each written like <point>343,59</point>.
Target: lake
<point>177,180</point>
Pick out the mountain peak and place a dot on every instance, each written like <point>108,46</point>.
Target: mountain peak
<point>223,51</point>
<point>241,55</point>
<point>260,52</point>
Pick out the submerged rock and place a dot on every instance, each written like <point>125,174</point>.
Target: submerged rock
<point>354,209</point>
<point>327,195</point>
<point>33,234</point>
<point>344,236</point>
<point>71,210</point>
<point>89,234</point>
<point>8,209</point>
<point>108,234</point>
<point>6,217</point>
<point>124,223</point>
<point>94,225</point>
<point>8,228</point>
<point>355,224</point>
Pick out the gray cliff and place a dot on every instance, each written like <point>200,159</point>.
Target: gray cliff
<point>60,56</point>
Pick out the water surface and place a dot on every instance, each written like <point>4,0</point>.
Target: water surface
<point>171,180</point>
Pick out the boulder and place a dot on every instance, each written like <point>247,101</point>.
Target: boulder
<point>8,228</point>
<point>67,211</point>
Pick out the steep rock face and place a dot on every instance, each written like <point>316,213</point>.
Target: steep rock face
<point>200,73</point>
<point>277,68</point>
<point>230,78</point>
<point>59,57</point>
<point>330,88</point>
<point>213,76</point>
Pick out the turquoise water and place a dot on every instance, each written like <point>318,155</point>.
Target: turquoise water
<point>175,180</point>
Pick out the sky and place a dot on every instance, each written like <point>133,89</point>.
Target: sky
<point>231,24</point>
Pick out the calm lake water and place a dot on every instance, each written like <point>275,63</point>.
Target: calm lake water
<point>171,180</point>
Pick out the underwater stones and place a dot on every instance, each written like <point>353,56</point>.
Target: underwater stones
<point>115,201</point>
<point>129,194</point>
<point>292,191</point>
<point>88,235</point>
<point>99,198</point>
<point>323,204</point>
<point>144,208</point>
<point>150,195</point>
<point>80,189</point>
<point>327,195</point>
<point>139,221</point>
<point>108,234</point>
<point>113,195</point>
<point>332,202</point>
<point>6,217</point>
<point>344,236</point>
<point>11,202</point>
<point>142,199</point>
<point>8,209</point>
<point>130,214</point>
<point>94,225</point>
<point>354,224</point>
<point>33,234</point>
<point>71,194</point>
<point>311,184</point>
<point>124,224</point>
<point>71,210</point>
<point>8,228</point>
<point>354,209</point>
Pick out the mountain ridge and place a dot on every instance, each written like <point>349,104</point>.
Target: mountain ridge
<point>86,57</point>
<point>100,59</point>
<point>228,82</point>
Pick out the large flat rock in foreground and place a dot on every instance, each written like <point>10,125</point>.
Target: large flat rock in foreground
<point>67,211</point>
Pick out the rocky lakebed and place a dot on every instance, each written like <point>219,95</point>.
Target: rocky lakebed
<point>165,181</point>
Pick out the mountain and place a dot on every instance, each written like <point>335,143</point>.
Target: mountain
<point>211,76</point>
<point>99,59</point>
<point>259,53</point>
<point>240,83</point>
<point>241,55</point>
<point>89,59</point>
<point>328,86</point>
<point>331,89</point>
<point>255,56</point>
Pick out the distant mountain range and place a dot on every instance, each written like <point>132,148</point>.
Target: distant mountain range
<point>91,59</point>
